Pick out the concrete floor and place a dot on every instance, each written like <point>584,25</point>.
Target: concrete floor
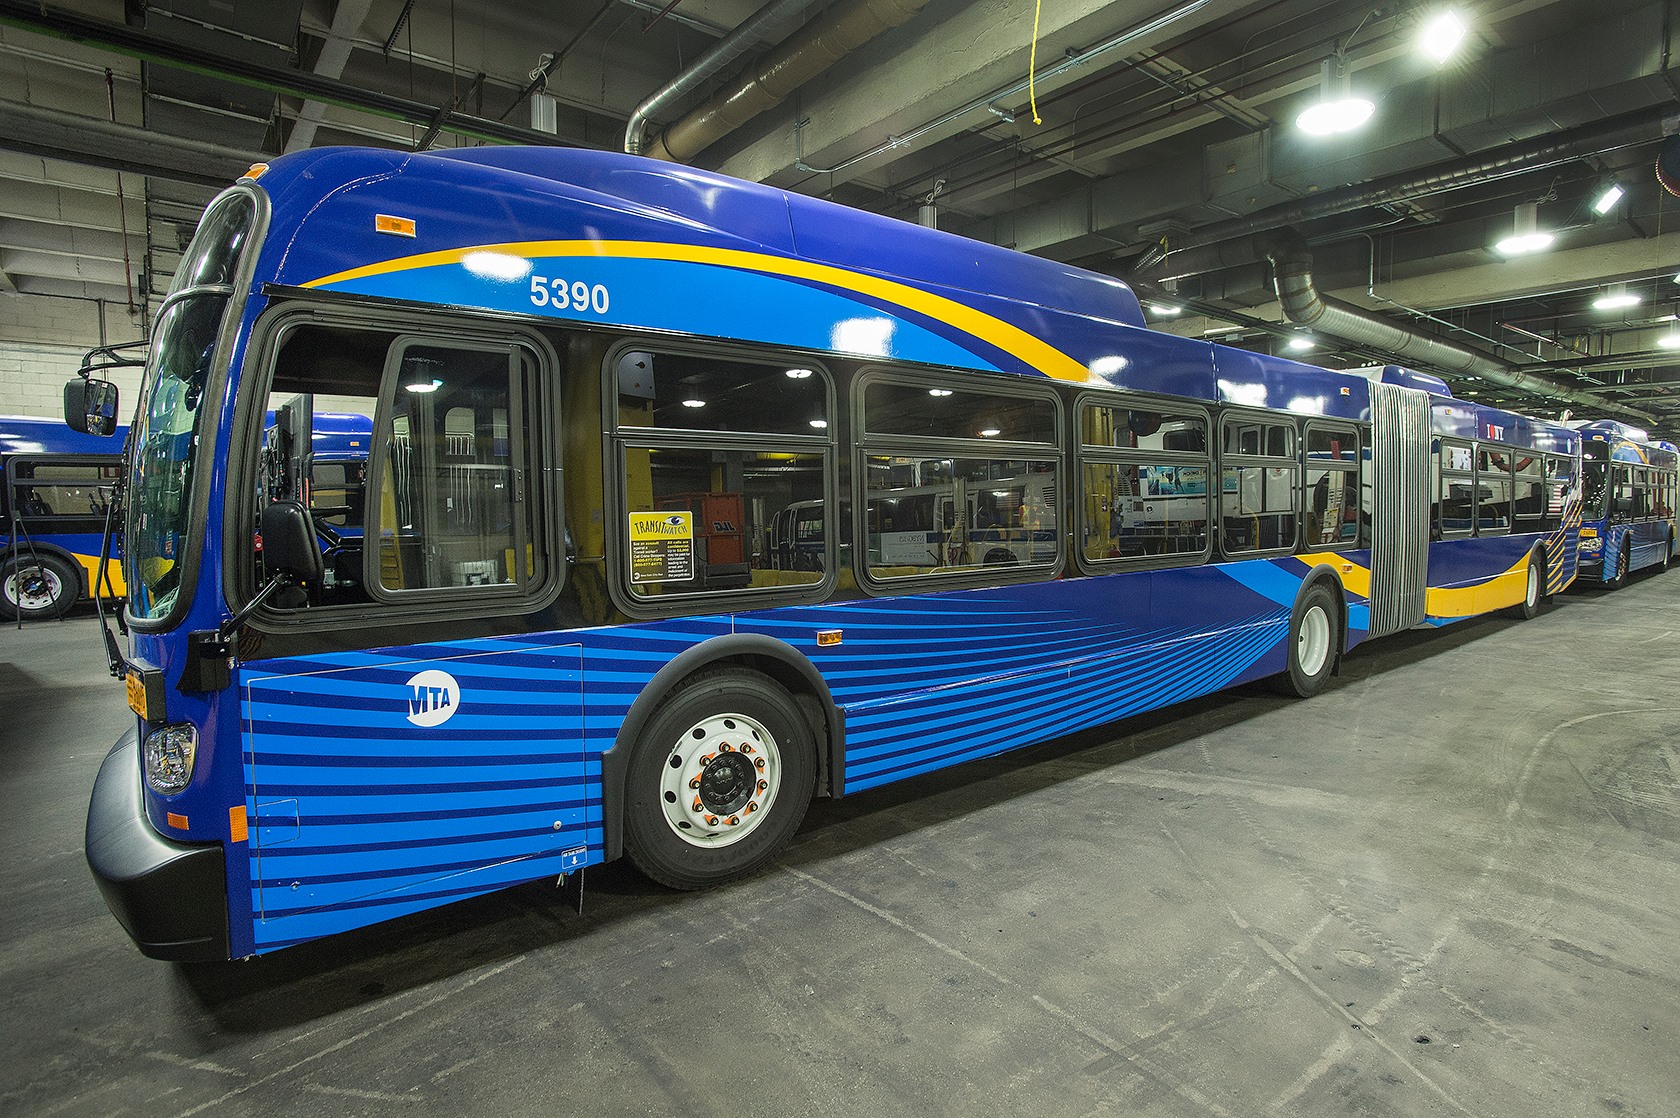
<point>1449,885</point>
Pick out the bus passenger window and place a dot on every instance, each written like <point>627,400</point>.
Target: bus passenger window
<point>959,478</point>
<point>1455,505</point>
<point>1332,508</point>
<point>1145,483</point>
<point>724,469</point>
<point>1493,491</point>
<point>1258,493</point>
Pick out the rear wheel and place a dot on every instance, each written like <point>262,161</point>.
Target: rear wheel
<point>37,587</point>
<point>1312,643</point>
<point>1534,591</point>
<point>719,781</point>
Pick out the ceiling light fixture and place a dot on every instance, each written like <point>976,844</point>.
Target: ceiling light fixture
<point>1337,110</point>
<point>1166,310</point>
<point>1300,343</point>
<point>1442,36</point>
<point>1607,198</point>
<point>1670,340</point>
<point>1526,235</point>
<point>1615,299</point>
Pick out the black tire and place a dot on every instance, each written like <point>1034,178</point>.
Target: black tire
<point>719,781</point>
<point>37,588</point>
<point>1534,592</point>
<point>1667,554</point>
<point>1622,560</point>
<point>1313,642</point>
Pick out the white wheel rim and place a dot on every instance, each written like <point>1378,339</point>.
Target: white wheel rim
<point>719,780</point>
<point>1533,585</point>
<point>1312,643</point>
<point>33,593</point>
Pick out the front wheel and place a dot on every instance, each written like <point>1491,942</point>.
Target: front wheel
<point>37,588</point>
<point>1312,644</point>
<point>719,780</point>
<point>1621,577</point>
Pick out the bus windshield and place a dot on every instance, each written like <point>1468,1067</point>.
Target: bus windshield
<point>173,402</point>
<point>166,444</point>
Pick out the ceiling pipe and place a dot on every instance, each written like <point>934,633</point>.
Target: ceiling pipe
<point>150,47</point>
<point>761,25</point>
<point>111,146</point>
<point>1291,261</point>
<point>989,100</point>
<point>1636,127</point>
<point>802,57</point>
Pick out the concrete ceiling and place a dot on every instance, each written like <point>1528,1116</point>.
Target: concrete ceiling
<point>1164,149</point>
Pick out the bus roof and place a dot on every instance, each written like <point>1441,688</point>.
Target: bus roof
<point>613,239</point>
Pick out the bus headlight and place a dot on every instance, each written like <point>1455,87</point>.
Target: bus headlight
<point>170,751</point>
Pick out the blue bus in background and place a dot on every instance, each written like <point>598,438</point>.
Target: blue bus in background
<point>55,487</point>
<point>689,499</point>
<point>1628,502</point>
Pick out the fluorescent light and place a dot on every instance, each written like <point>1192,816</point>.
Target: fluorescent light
<point>1442,36</point>
<point>1327,118</point>
<point>424,386</point>
<point>1166,310</point>
<point>799,374</point>
<point>1337,110</point>
<point>1525,236</point>
<point>1615,301</point>
<point>1300,343</point>
<point>820,424</point>
<point>694,403</point>
<point>939,392</point>
<point>1607,200</point>
<point>1517,244</point>
<point>1670,340</point>
<point>990,433</point>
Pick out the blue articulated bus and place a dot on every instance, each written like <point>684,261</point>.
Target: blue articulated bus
<point>57,485</point>
<point>1628,500</point>
<point>689,499</point>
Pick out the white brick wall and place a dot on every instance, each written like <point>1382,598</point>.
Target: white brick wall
<point>42,341</point>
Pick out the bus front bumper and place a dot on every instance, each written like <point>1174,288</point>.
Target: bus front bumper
<point>171,897</point>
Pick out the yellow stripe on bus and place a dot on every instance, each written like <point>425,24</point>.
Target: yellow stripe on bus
<point>1504,589</point>
<point>1011,339</point>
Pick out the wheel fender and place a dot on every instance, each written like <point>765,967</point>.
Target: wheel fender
<point>777,659</point>
<point>1325,575</point>
<point>1537,554</point>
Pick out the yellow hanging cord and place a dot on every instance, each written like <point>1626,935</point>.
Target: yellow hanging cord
<point>1032,64</point>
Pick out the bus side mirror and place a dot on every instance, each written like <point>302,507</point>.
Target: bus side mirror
<point>288,543</point>
<point>90,406</point>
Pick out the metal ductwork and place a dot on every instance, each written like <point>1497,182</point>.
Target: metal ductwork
<point>762,24</point>
<point>1291,261</point>
<point>802,57</point>
<point>1636,127</point>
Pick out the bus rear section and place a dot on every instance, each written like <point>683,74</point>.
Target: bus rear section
<point>56,491</point>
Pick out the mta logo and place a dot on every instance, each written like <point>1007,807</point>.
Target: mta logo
<point>433,697</point>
